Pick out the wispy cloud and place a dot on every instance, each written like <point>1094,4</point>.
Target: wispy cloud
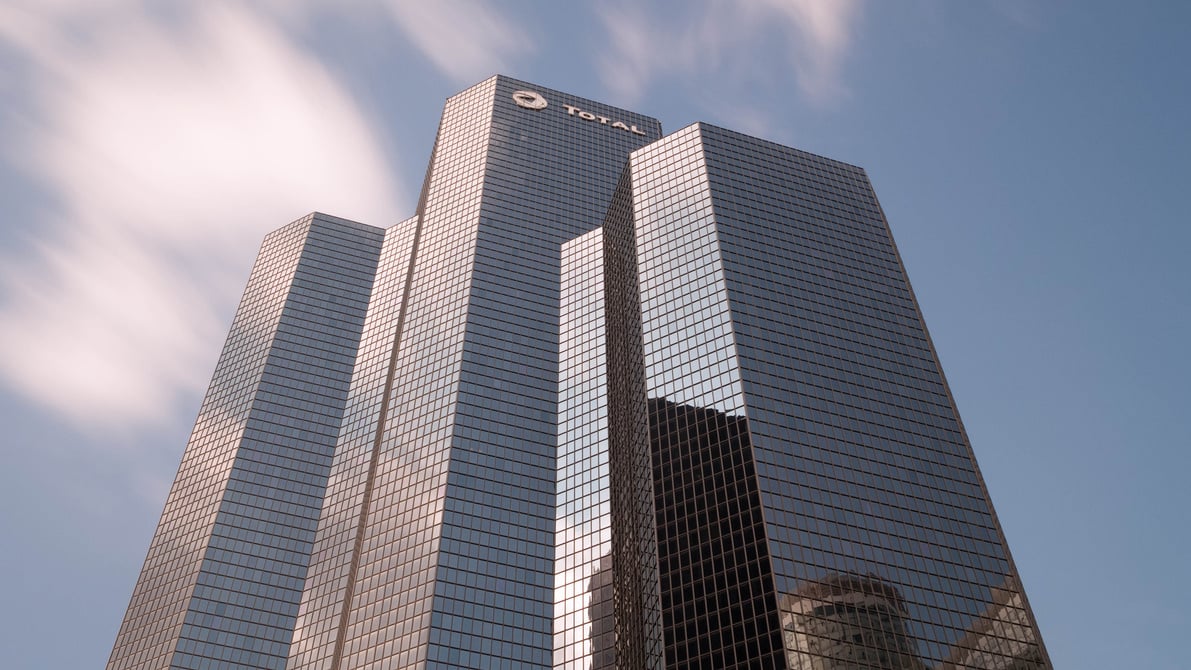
<point>717,38</point>
<point>465,39</point>
<point>822,32</point>
<point>169,145</point>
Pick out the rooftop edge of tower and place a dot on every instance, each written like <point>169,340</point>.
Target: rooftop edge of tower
<point>703,125</point>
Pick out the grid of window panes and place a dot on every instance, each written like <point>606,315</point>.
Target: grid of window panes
<point>389,620</point>
<point>584,625</point>
<point>636,586</point>
<point>815,497</point>
<point>246,599</point>
<point>716,584</point>
<point>327,596</point>
<point>159,602</point>
<point>453,559</point>
<point>548,177</point>
<point>221,583</point>
<point>885,549</point>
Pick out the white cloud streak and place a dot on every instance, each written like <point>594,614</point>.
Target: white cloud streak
<point>722,38</point>
<point>169,140</point>
<point>168,150</point>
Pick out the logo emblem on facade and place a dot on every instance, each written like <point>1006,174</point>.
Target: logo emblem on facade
<point>529,100</point>
<point>588,116</point>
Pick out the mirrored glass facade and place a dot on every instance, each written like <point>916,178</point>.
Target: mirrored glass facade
<point>816,494</point>
<point>607,400</point>
<point>584,626</point>
<point>224,574</point>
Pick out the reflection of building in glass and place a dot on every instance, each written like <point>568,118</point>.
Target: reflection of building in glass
<point>717,586</point>
<point>606,400</point>
<point>603,620</point>
<point>847,621</point>
<point>1001,639</point>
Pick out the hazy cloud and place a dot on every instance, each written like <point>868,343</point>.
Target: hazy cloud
<point>169,145</point>
<point>717,38</point>
<point>465,39</point>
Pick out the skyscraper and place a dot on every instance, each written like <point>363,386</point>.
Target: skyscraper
<point>223,578</point>
<point>607,399</point>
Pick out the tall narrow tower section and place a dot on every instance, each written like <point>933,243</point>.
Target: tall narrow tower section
<point>223,578</point>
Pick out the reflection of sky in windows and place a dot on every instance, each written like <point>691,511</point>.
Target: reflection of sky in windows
<point>395,569</point>
<point>689,353</point>
<point>583,535</point>
<point>251,481</point>
<point>326,583</point>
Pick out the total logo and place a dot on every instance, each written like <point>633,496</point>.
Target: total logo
<point>535,101</point>
<point>529,100</point>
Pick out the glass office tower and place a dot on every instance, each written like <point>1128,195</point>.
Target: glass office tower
<point>437,543</point>
<point>816,496</point>
<point>606,400</point>
<point>223,578</point>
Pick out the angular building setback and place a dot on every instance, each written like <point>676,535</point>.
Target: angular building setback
<point>607,400</point>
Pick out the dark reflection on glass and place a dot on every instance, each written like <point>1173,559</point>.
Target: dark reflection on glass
<point>717,586</point>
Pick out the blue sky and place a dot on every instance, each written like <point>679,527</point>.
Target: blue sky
<point>1032,158</point>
